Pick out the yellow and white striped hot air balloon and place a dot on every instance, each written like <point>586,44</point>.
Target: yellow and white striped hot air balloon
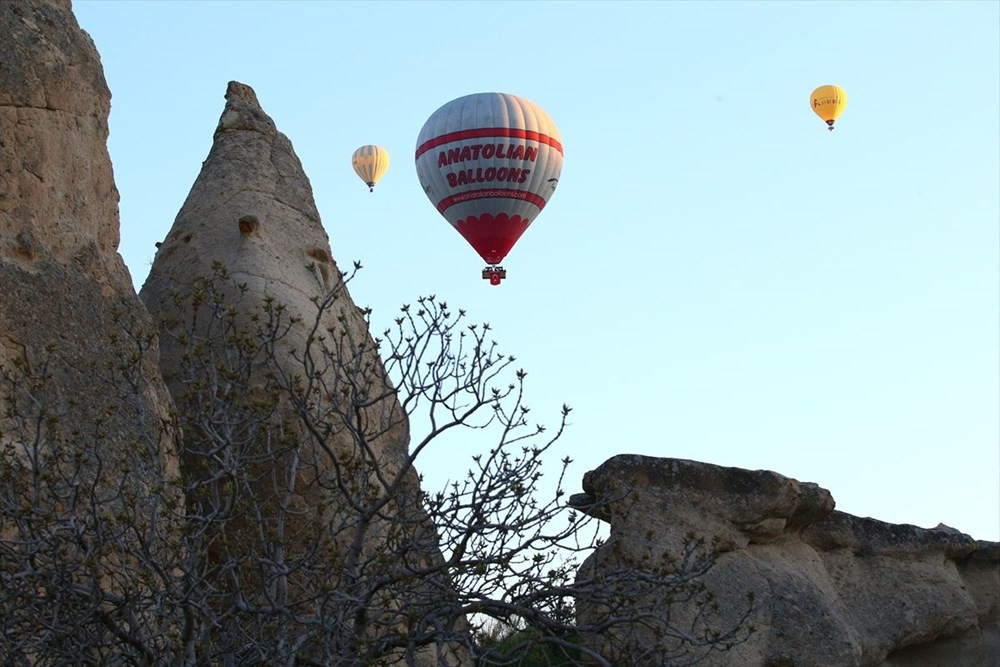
<point>828,102</point>
<point>370,163</point>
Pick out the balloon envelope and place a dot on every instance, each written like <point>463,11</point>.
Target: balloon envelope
<point>370,163</point>
<point>489,163</point>
<point>828,102</point>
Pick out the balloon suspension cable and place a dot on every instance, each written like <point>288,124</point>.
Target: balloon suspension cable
<point>371,186</point>
<point>494,274</point>
<point>830,123</point>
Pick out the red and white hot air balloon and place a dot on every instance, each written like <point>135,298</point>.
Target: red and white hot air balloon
<point>489,162</point>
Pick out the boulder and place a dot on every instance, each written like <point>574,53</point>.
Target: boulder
<point>829,589</point>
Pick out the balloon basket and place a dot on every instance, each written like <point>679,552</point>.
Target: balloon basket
<point>494,274</point>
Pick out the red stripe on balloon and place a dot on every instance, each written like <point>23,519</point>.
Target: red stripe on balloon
<point>483,132</point>
<point>491,193</point>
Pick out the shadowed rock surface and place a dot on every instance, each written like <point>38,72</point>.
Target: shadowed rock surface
<point>830,589</point>
<point>66,294</point>
<point>84,408</point>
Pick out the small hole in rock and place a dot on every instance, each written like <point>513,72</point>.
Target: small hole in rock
<point>248,224</point>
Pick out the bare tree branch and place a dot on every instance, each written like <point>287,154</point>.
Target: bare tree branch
<point>485,571</point>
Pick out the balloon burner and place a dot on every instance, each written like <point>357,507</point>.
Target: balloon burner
<point>494,274</point>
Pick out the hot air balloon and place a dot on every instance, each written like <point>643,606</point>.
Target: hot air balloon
<point>489,163</point>
<point>828,102</point>
<point>370,163</point>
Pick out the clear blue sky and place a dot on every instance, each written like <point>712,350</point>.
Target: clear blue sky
<point>718,277</point>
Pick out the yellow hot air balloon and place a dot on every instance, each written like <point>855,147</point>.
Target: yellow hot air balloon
<point>828,102</point>
<point>370,163</point>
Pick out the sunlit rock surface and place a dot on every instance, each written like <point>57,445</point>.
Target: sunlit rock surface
<point>66,297</point>
<point>251,211</point>
<point>830,589</point>
<point>84,422</point>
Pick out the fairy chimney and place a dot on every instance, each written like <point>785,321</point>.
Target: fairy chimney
<point>247,261</point>
<point>87,458</point>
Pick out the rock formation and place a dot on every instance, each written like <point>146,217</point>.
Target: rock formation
<point>84,437</point>
<point>93,564</point>
<point>251,211</point>
<point>830,589</point>
<point>250,235</point>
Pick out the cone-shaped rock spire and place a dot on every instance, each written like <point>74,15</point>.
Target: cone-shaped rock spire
<point>251,211</point>
<point>251,208</point>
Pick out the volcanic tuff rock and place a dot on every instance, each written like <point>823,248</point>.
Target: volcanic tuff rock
<point>78,371</point>
<point>830,589</point>
<point>251,210</point>
<point>77,346</point>
<point>251,223</point>
<point>66,293</point>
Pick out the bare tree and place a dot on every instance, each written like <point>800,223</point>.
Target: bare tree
<point>484,571</point>
<point>90,508</point>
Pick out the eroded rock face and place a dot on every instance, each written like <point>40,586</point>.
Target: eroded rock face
<point>57,193</point>
<point>251,222</point>
<point>84,432</point>
<point>251,212</point>
<point>830,589</point>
